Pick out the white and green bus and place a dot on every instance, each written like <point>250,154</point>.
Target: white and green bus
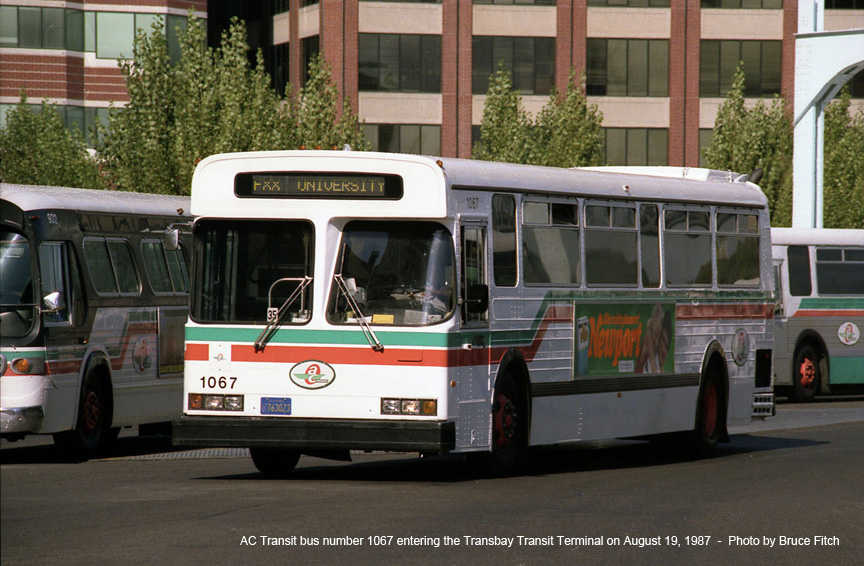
<point>366,301</point>
<point>819,275</point>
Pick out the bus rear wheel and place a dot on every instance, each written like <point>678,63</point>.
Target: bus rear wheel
<point>710,416</point>
<point>275,462</point>
<point>805,374</point>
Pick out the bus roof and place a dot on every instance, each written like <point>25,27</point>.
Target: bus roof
<point>33,197</point>
<point>664,183</point>
<point>817,236</point>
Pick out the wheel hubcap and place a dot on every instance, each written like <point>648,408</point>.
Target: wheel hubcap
<point>505,420</point>
<point>807,373</point>
<point>91,411</point>
<point>709,409</point>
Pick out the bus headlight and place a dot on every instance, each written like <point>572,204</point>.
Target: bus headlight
<point>419,407</point>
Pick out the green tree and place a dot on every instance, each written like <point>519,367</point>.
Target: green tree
<point>758,137</point>
<point>319,121</point>
<point>843,179</point>
<point>37,149</point>
<point>136,148</point>
<point>567,131</point>
<point>211,101</point>
<point>505,130</point>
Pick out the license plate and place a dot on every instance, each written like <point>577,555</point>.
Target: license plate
<point>275,405</point>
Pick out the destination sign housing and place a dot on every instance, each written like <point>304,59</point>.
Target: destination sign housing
<point>318,185</point>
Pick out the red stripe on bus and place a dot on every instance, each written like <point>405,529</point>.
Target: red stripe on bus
<point>197,352</point>
<point>65,366</point>
<point>477,355</point>
<point>715,312</point>
<point>830,313</point>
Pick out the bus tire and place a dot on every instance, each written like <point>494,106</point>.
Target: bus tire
<point>710,415</point>
<point>92,432</point>
<point>509,452</point>
<point>275,462</point>
<point>806,375</point>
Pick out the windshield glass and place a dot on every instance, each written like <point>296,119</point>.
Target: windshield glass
<point>17,302</point>
<point>399,273</point>
<point>245,267</point>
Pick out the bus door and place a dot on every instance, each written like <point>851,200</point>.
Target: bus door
<point>474,381</point>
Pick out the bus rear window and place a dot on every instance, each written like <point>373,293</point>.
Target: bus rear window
<point>245,267</point>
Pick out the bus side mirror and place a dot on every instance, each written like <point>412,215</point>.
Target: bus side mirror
<point>53,303</point>
<point>172,239</point>
<point>477,298</point>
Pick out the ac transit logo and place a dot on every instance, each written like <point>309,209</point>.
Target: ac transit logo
<point>849,333</point>
<point>312,374</point>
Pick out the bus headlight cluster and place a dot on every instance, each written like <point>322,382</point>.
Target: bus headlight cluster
<point>421,407</point>
<point>211,402</point>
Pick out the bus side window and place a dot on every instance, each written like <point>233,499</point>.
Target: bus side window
<point>504,240</point>
<point>799,271</point>
<point>60,274</point>
<point>473,270</point>
<point>778,289</point>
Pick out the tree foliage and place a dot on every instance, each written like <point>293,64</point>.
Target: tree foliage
<point>758,137</point>
<point>320,123</point>
<point>568,129</point>
<point>37,149</point>
<point>843,179</point>
<point>212,101</point>
<point>565,133</point>
<point>505,130</point>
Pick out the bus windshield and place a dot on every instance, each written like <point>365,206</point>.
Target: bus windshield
<point>17,303</point>
<point>399,273</point>
<point>245,268</point>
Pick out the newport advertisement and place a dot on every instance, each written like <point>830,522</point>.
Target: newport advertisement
<point>630,338</point>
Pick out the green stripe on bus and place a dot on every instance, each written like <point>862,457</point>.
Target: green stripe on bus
<point>847,371</point>
<point>321,337</point>
<point>832,303</point>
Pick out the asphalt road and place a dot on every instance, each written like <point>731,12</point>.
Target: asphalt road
<point>765,498</point>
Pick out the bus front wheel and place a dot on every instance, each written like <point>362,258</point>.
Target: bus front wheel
<point>92,430</point>
<point>806,375</point>
<point>509,453</point>
<point>275,462</point>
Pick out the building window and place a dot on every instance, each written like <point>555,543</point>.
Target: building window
<point>627,67</point>
<point>762,67</point>
<point>400,62</point>
<point>41,28</point>
<point>516,2</point>
<point>529,60</point>
<point>281,67</point>
<point>746,4</point>
<point>637,146</point>
<point>630,3</point>
<point>844,4</point>
<point>404,138</point>
<point>311,47</point>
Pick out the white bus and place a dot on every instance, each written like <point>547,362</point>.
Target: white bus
<point>819,315</point>
<point>367,301</point>
<point>91,314</point>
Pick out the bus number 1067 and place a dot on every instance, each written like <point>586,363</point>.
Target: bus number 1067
<point>218,382</point>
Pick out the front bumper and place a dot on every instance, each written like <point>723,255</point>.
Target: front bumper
<point>315,434</point>
<point>19,421</point>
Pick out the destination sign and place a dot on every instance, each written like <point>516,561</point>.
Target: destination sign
<point>317,185</point>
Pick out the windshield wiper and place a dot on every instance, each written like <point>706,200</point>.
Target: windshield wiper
<point>274,315</point>
<point>361,319</point>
